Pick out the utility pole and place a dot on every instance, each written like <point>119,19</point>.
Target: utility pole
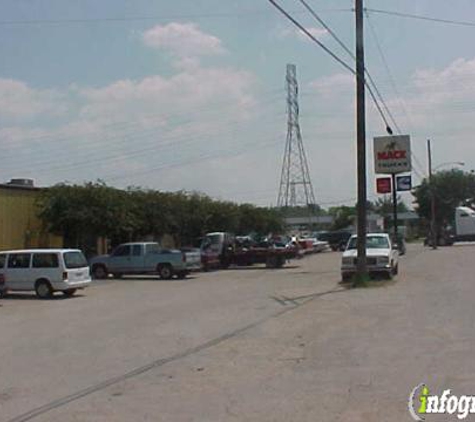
<point>433,230</point>
<point>394,208</point>
<point>361,142</point>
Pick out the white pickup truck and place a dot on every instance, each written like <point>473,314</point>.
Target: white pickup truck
<point>382,257</point>
<point>140,258</point>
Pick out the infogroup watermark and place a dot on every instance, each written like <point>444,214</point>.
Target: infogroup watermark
<point>422,403</point>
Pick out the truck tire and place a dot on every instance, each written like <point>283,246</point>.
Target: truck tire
<point>271,261</point>
<point>99,272</point>
<point>280,262</point>
<point>165,271</point>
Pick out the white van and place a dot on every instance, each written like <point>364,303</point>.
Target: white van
<point>44,270</point>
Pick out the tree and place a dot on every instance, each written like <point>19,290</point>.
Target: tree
<point>384,205</point>
<point>81,213</point>
<point>451,188</point>
<point>343,216</point>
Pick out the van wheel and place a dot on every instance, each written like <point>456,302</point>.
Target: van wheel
<point>99,272</point>
<point>43,289</point>
<point>69,292</point>
<point>165,271</point>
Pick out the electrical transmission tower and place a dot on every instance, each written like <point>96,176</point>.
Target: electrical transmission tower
<point>295,185</point>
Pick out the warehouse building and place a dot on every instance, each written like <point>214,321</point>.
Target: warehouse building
<point>19,225</point>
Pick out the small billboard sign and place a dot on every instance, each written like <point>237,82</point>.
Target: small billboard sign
<point>392,154</point>
<point>403,183</point>
<point>383,185</point>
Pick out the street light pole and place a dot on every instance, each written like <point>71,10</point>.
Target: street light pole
<point>361,142</point>
<point>432,199</point>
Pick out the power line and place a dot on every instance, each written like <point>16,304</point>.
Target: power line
<point>215,107</point>
<point>393,83</point>
<point>311,36</point>
<point>333,55</point>
<point>350,53</point>
<point>339,60</point>
<point>422,17</point>
<point>170,146</point>
<point>144,18</point>
<point>194,160</point>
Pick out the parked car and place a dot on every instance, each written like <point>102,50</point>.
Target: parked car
<point>336,239</point>
<point>382,257</point>
<point>44,270</point>
<point>140,258</point>
<point>193,258</point>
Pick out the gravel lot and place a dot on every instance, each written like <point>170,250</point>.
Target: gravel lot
<point>242,345</point>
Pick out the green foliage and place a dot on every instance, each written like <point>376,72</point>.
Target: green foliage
<point>451,188</point>
<point>82,212</point>
<point>384,205</point>
<point>343,216</point>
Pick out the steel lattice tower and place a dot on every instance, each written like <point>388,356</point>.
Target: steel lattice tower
<point>295,185</point>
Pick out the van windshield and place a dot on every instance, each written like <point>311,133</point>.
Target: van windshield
<point>75,260</point>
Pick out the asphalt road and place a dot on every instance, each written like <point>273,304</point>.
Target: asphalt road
<point>243,345</point>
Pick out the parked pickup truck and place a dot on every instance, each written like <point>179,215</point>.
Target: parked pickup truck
<point>140,258</point>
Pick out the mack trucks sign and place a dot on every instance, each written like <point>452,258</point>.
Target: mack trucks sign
<point>392,154</point>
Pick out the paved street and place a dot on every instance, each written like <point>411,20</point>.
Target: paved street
<point>243,345</point>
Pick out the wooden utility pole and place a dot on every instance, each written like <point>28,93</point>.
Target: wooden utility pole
<point>361,142</point>
<point>396,241</point>
<point>433,231</point>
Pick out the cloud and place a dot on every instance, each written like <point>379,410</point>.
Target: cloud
<point>333,85</point>
<point>18,100</point>
<point>183,40</point>
<point>185,92</point>
<point>318,33</point>
<point>120,131</point>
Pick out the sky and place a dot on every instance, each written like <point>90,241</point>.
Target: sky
<point>190,95</point>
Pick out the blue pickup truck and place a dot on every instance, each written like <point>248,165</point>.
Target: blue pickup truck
<point>140,258</point>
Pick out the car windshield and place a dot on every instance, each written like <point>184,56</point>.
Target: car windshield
<point>74,260</point>
<point>372,242</point>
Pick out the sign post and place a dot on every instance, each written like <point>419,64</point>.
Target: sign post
<point>392,155</point>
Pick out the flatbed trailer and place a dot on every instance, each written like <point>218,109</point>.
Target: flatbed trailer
<point>273,257</point>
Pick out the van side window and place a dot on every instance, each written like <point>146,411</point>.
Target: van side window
<point>19,260</point>
<point>463,214</point>
<point>3,258</point>
<point>137,250</point>
<point>45,260</point>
